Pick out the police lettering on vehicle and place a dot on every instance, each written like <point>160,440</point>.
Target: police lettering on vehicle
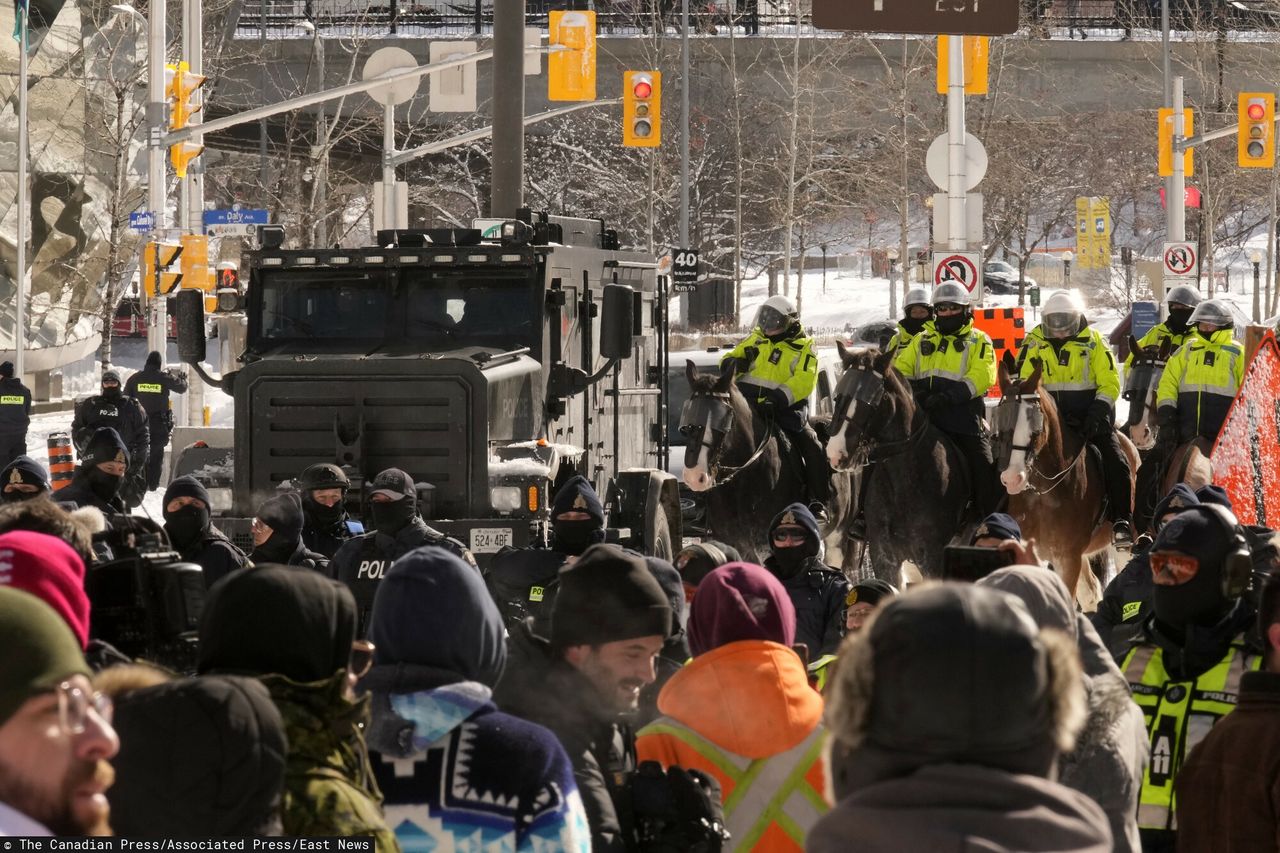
<point>372,569</point>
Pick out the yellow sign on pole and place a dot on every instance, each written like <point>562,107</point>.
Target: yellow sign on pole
<point>571,73</point>
<point>975,64</point>
<point>1165,143</point>
<point>1093,232</point>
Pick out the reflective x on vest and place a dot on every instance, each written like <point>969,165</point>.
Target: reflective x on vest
<point>1178,715</point>
<point>764,791</point>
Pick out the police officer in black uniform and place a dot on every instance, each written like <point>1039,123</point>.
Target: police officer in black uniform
<point>100,474</point>
<point>277,535</point>
<point>124,414</point>
<point>326,526</point>
<point>817,591</point>
<point>362,561</point>
<point>192,534</point>
<point>23,479</point>
<point>151,386</point>
<point>15,414</point>
<point>522,581</point>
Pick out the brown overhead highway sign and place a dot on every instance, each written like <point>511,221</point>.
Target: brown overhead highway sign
<point>930,17</point>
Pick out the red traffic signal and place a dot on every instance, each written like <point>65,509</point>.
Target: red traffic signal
<point>642,89</point>
<point>1257,111</point>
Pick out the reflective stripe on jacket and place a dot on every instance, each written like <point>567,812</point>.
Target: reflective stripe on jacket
<point>1078,372</point>
<point>789,366</point>
<point>1200,381</point>
<point>1178,715</point>
<point>966,358</point>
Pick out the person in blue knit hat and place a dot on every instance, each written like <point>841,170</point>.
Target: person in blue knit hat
<point>817,590</point>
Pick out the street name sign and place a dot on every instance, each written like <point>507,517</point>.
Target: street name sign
<point>233,222</point>
<point>142,221</point>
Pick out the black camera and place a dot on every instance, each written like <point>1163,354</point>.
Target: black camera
<point>145,600</point>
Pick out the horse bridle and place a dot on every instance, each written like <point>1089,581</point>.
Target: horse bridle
<point>709,412</point>
<point>867,386</point>
<point>1035,421</point>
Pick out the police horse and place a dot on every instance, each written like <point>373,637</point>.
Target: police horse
<point>738,461</point>
<point>917,497</point>
<point>1189,463</point>
<point>1055,484</point>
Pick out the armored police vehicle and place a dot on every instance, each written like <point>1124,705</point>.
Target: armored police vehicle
<point>491,370</point>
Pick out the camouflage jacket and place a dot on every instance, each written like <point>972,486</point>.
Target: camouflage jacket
<point>329,789</point>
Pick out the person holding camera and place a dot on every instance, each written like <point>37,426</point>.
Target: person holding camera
<point>192,534</point>
<point>151,386</point>
<point>610,620</point>
<point>98,478</point>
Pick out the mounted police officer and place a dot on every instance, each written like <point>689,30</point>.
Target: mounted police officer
<point>151,386</point>
<point>114,409</point>
<point>817,590</point>
<point>950,365</point>
<point>323,488</point>
<point>523,581</point>
<point>15,414</point>
<point>363,560</point>
<point>1201,379</point>
<point>778,370</point>
<point>916,311</point>
<point>1181,300</point>
<point>1080,372</point>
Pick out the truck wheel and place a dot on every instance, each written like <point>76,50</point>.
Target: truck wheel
<point>658,537</point>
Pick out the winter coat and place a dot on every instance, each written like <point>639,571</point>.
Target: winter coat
<point>301,556</point>
<point>962,807</point>
<point>1125,605</point>
<point>749,702</point>
<point>124,414</point>
<point>78,492</point>
<point>456,771</point>
<point>817,592</point>
<point>363,560</point>
<point>15,406</point>
<point>216,554</point>
<point>523,583</point>
<point>1229,788</point>
<point>327,539</point>
<point>543,689</point>
<point>151,387</point>
<point>329,787</point>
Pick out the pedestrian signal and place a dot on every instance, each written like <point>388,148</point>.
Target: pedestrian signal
<point>642,109</point>
<point>1256,138</point>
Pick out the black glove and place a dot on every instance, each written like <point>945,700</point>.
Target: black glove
<point>678,811</point>
<point>936,403</point>
<point>1098,422</point>
<point>750,354</point>
<point>1168,434</point>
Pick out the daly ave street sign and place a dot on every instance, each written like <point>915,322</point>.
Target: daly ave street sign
<point>950,17</point>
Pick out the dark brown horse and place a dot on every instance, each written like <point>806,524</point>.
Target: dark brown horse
<point>918,490</point>
<point>1055,486</point>
<point>735,458</point>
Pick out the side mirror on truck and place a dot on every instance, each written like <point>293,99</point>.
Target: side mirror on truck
<point>616,321</point>
<point>189,309</point>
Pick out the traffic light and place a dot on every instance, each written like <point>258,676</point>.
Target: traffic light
<point>642,109</point>
<point>180,88</point>
<point>195,262</point>
<point>1256,139</point>
<point>976,52</point>
<point>1165,142</point>
<point>571,74</point>
<point>169,280</point>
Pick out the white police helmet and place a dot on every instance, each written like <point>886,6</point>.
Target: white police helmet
<point>1213,311</point>
<point>1183,294</point>
<point>916,296</point>
<point>951,293</point>
<point>1063,313</point>
<point>776,315</point>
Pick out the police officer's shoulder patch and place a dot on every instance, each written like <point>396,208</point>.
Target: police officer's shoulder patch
<point>852,598</point>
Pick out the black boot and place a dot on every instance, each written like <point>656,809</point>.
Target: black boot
<point>858,527</point>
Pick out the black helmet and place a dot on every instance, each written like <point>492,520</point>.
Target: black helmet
<point>323,475</point>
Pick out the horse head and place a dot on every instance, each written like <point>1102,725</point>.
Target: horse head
<point>712,421</point>
<point>1141,385</point>
<point>867,398</point>
<point>1018,423</point>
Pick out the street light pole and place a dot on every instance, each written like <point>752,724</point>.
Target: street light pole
<point>1067,258</point>
<point>1255,257</point>
<point>157,330</point>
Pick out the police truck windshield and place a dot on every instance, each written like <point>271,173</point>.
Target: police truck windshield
<point>423,308</point>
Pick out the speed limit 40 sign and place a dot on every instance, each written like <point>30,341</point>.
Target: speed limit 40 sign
<point>684,270</point>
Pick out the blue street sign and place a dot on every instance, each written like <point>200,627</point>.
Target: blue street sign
<point>1145,317</point>
<point>142,221</point>
<point>235,217</point>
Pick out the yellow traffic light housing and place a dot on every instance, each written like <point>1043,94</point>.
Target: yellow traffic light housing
<point>181,155</point>
<point>642,109</point>
<point>169,280</point>
<point>1256,139</point>
<point>180,87</point>
<point>571,73</point>
<point>1165,142</point>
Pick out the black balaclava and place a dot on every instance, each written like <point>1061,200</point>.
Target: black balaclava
<point>1177,322</point>
<point>787,562</point>
<point>574,537</point>
<point>951,324</point>
<point>1199,601</point>
<point>390,517</point>
<point>320,515</point>
<point>102,484</point>
<point>114,392</point>
<point>186,525</point>
<point>283,514</point>
<point>913,325</point>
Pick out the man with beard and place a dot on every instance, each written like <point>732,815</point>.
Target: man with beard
<point>23,479</point>
<point>193,536</point>
<point>55,731</point>
<point>324,491</point>
<point>97,480</point>
<point>117,410</point>
<point>277,535</point>
<point>362,561</point>
<point>522,581</point>
<point>817,591</point>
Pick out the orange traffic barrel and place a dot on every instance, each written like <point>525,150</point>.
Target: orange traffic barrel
<point>61,463</point>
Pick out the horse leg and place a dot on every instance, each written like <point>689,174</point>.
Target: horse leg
<point>1088,589</point>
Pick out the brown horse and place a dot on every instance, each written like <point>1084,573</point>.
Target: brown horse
<point>1055,486</point>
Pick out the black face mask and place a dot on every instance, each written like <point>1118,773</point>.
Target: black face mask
<point>913,325</point>
<point>1177,322</point>
<point>950,324</point>
<point>186,525</point>
<point>390,516</point>
<point>17,497</point>
<point>102,484</point>
<point>321,515</point>
<point>789,561</point>
<point>111,393</point>
<point>276,549</point>
<point>1199,601</point>
<point>574,537</point>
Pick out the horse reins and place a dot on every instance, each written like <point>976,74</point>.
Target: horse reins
<point>759,451</point>
<point>1055,480</point>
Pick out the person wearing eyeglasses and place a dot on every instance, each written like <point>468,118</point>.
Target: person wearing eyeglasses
<point>817,590</point>
<point>295,630</point>
<point>56,739</point>
<point>277,535</point>
<point>1186,666</point>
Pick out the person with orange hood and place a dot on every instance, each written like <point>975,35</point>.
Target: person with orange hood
<point>742,711</point>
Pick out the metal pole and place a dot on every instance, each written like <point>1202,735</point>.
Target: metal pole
<point>24,212</point>
<point>389,207</point>
<point>506,193</point>
<point>684,146</point>
<point>1257,282</point>
<point>157,330</point>
<point>1176,196</point>
<point>264,173</point>
<point>321,177</point>
<point>193,201</point>
<point>957,226</point>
